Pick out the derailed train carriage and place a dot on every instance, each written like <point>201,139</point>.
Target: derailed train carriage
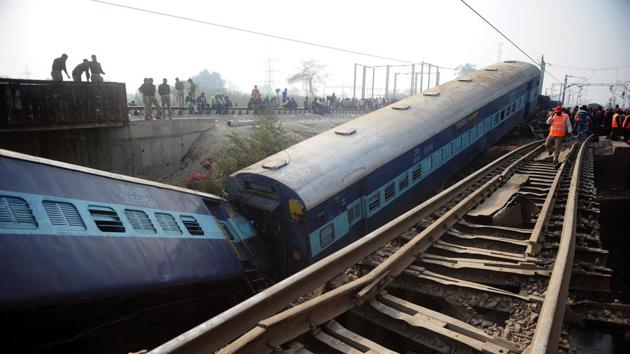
<point>83,250</point>
<point>325,192</point>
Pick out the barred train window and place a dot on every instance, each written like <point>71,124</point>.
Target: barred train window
<point>327,235</point>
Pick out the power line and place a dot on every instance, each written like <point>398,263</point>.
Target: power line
<point>233,28</point>
<point>591,69</point>
<point>506,37</point>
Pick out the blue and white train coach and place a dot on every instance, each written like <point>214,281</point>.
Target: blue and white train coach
<point>70,233</point>
<point>325,192</point>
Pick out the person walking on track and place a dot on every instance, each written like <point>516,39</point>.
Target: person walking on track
<point>560,126</point>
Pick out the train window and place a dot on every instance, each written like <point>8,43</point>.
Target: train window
<point>326,235</point>
<point>260,187</point>
<point>374,201</point>
<point>390,191</point>
<point>192,225</point>
<point>63,215</point>
<point>354,212</point>
<point>473,135</point>
<point>513,108</point>
<point>168,224</point>
<point>15,213</point>
<point>106,219</point>
<point>447,151</point>
<point>139,221</point>
<point>457,145</point>
<point>436,160</point>
<point>496,118</point>
<point>502,115</point>
<point>403,181</point>
<point>416,173</point>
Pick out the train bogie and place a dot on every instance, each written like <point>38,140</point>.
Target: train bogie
<point>327,191</point>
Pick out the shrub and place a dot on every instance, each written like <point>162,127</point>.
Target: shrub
<point>267,138</point>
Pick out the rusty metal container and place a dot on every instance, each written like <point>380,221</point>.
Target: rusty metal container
<point>42,104</point>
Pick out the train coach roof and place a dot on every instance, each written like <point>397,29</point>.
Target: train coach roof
<point>92,171</point>
<point>321,166</point>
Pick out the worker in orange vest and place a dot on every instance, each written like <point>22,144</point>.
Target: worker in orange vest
<point>615,125</point>
<point>560,126</point>
<point>626,127</point>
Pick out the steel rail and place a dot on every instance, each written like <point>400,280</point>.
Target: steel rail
<point>536,237</point>
<point>232,323</point>
<point>289,324</point>
<point>547,333</point>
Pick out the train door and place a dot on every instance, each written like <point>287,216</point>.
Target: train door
<point>357,212</point>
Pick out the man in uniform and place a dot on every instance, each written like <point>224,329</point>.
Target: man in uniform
<point>58,65</point>
<point>151,94</point>
<point>96,69</point>
<point>179,89</point>
<point>144,90</point>
<point>165,96</point>
<point>615,125</point>
<point>78,71</point>
<point>560,126</point>
<point>193,87</point>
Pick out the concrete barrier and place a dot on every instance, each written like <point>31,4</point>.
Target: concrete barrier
<point>148,149</point>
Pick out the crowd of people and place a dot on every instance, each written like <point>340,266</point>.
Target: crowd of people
<point>317,105</point>
<point>91,69</point>
<point>193,103</point>
<point>611,122</point>
<point>614,123</point>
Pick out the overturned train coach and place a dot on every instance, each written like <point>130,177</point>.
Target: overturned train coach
<point>76,242</point>
<point>325,192</point>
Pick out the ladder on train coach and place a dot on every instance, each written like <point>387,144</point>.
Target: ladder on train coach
<point>255,277</point>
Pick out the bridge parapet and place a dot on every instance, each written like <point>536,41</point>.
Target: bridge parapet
<point>50,105</point>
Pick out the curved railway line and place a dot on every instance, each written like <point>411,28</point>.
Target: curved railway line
<point>484,266</point>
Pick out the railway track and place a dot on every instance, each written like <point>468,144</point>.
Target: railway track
<point>484,266</point>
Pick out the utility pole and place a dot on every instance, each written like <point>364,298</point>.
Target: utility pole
<point>373,75</point>
<point>542,73</point>
<point>387,82</point>
<point>564,89</point>
<point>421,76</point>
<point>395,82</point>
<point>437,76</point>
<point>354,82</point>
<point>413,74</point>
<point>269,73</point>
<point>429,78</point>
<point>499,52</point>
<point>363,84</point>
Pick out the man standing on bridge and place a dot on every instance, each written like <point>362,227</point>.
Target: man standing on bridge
<point>144,90</point>
<point>179,90</point>
<point>164,90</point>
<point>193,87</point>
<point>96,69</point>
<point>78,71</point>
<point>560,126</point>
<point>59,64</point>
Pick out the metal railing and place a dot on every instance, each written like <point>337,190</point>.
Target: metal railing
<point>248,111</point>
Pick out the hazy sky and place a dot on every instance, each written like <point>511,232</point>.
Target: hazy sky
<point>132,45</point>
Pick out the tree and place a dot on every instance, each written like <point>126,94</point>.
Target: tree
<point>465,69</point>
<point>311,74</point>
<point>209,82</point>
